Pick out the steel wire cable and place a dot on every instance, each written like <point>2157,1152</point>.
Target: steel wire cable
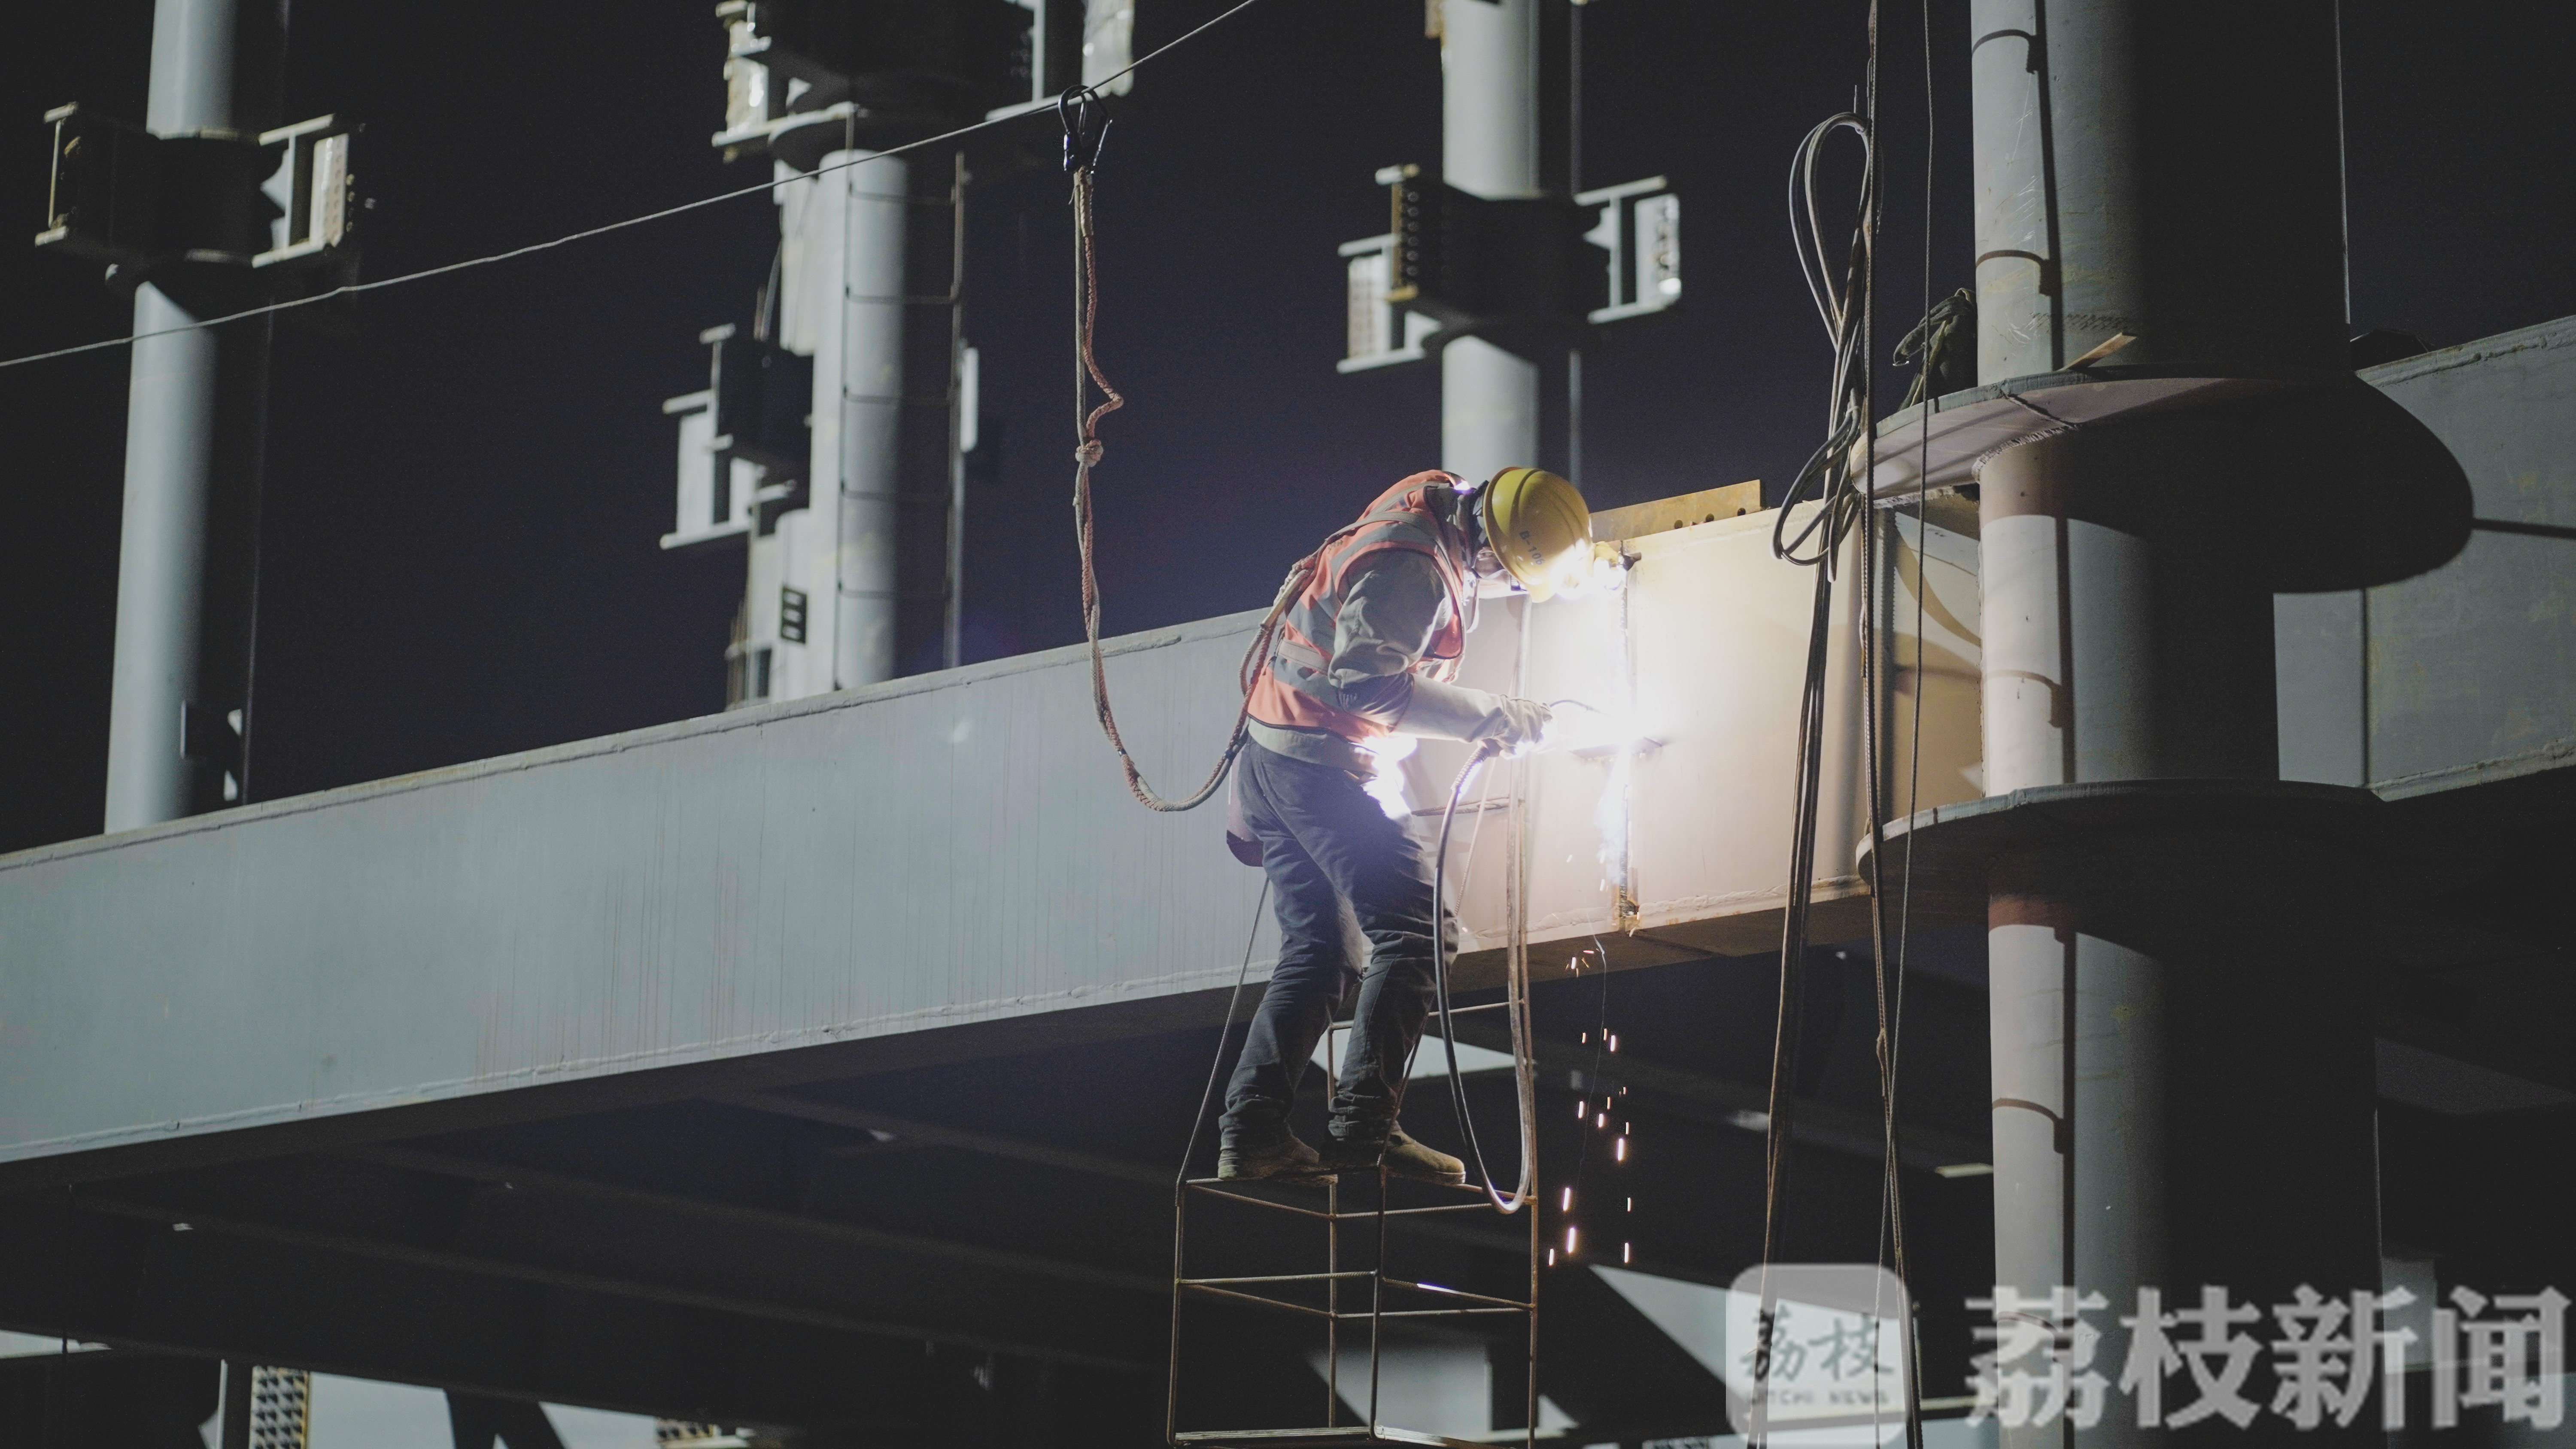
<point>353,288</point>
<point>1872,663</point>
<point>1224,1026</point>
<point>1940,323</point>
<point>1837,477</point>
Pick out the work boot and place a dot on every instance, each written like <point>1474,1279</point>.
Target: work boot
<point>1284,1158</point>
<point>1399,1154</point>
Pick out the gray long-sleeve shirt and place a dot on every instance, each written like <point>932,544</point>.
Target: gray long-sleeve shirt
<point>1391,609</point>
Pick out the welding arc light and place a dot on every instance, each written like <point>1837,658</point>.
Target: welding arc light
<point>1587,568</point>
<point>1588,729</point>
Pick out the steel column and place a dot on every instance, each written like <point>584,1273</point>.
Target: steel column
<point>858,407</point>
<point>2182,1080</point>
<point>870,405</point>
<point>2128,629</point>
<point>2166,172</point>
<point>191,458</point>
<point>161,563</point>
<point>1489,147</point>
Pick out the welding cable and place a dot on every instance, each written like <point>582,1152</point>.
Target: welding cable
<point>755,189</point>
<point>1928,346</point>
<point>1516,989</point>
<point>1841,305</point>
<point>1516,997</point>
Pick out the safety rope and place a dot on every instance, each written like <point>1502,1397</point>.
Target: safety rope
<point>1082,145</point>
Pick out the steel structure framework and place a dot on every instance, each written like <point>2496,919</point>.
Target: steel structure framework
<point>1265,1290</point>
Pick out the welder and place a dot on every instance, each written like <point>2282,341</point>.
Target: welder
<point>1369,647</point>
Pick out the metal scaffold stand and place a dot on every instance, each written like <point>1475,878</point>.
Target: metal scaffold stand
<point>1333,1297</point>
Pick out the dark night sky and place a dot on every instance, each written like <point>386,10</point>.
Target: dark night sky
<point>465,492</point>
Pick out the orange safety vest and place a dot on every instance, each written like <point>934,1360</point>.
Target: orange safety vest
<point>1293,691</point>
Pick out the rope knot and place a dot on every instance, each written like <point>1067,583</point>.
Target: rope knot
<point>1090,453</point>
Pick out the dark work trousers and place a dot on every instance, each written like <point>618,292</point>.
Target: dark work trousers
<point>1327,845</point>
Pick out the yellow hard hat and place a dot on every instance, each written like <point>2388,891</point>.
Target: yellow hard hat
<point>1537,525</point>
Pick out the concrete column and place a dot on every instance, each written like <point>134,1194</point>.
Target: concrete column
<point>189,471</point>
<point>1489,146</point>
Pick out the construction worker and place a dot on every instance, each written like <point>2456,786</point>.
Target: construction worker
<point>1369,648</point>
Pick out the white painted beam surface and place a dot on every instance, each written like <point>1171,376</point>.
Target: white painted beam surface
<point>939,851</point>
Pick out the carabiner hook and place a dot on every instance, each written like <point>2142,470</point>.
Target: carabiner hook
<point>1086,126</point>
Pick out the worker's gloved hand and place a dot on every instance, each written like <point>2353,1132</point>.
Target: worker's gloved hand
<point>1523,724</point>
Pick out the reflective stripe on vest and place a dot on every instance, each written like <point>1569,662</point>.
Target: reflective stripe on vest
<point>1294,692</point>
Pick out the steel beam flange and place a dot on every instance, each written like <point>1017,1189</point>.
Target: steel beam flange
<point>1950,847</point>
<point>1968,425</point>
<point>2345,488</point>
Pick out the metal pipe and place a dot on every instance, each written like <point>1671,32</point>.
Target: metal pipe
<point>1489,146</point>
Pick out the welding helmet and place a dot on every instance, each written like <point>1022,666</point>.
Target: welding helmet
<point>1535,522</point>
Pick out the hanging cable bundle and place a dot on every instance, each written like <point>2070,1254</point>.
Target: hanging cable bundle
<point>1836,478</point>
<point>1831,473</point>
<point>1832,479</point>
